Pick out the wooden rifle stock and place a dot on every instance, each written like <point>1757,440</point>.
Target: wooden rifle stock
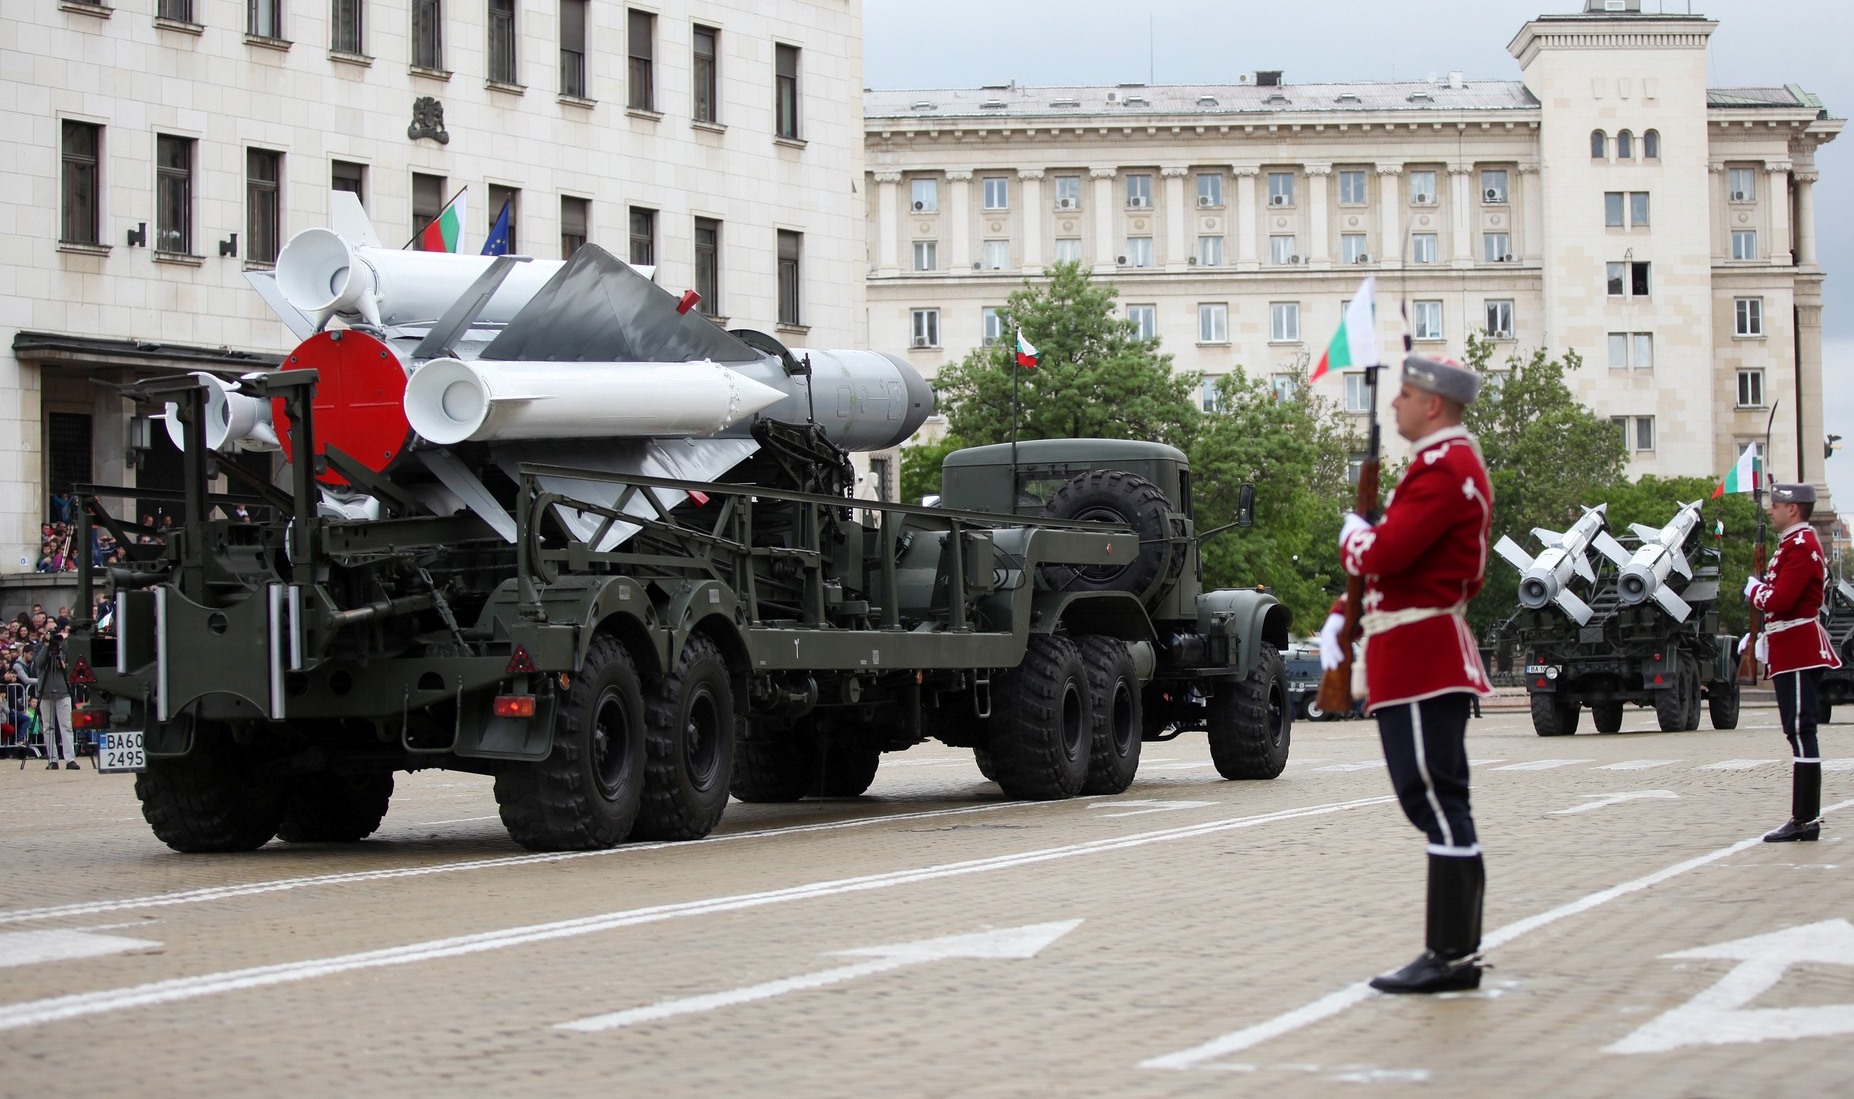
<point>1336,683</point>
<point>1747,660</point>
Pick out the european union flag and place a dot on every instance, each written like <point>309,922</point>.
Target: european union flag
<point>498,242</point>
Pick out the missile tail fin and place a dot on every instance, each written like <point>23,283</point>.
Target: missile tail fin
<point>1675,606</point>
<point>1513,555</point>
<point>1580,563</point>
<point>265,283</point>
<point>1646,533</point>
<point>348,218</point>
<point>1578,609</point>
<point>1547,538</point>
<point>1680,563</point>
<point>1610,548</point>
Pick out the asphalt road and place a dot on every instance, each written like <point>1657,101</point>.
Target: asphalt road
<point>1189,937</point>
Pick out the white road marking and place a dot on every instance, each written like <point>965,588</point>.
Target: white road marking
<point>79,1005</point>
<point>1485,762</point>
<point>33,947</point>
<point>1838,765</point>
<point>1602,800</point>
<point>1009,942</point>
<point>1333,1003</point>
<point>1737,764</point>
<point>1718,1016</point>
<point>1182,766</point>
<point>1542,764</point>
<point>1155,806</point>
<point>453,820</point>
<point>1362,765</point>
<point>1636,765</point>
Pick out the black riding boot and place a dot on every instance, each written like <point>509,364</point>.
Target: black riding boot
<point>1456,886</point>
<point>1805,821</point>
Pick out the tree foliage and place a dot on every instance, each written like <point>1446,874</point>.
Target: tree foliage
<point>920,467</point>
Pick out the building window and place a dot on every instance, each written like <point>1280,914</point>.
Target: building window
<point>1496,247</point>
<point>174,194</point>
<point>1627,279</point>
<point>1625,146</point>
<point>790,246</point>
<point>1210,395</point>
<point>427,34</point>
<point>1426,320</point>
<point>1210,251</point>
<point>997,254</point>
<point>1625,209</point>
<point>1499,319</point>
<point>346,176</point>
<point>1210,188</point>
<point>1357,392</point>
<point>427,200</point>
<point>997,193</point>
<point>926,255</point>
<point>82,184</point>
<point>1493,187</point>
<point>1631,349</point>
<point>1284,321</point>
<point>1638,209</point>
<point>1139,251</point>
<point>1422,188</point>
<point>785,91</point>
<point>1747,316</point>
<point>1352,188</point>
<point>1282,385</point>
<point>575,218</point>
<point>1352,248</point>
<point>708,265</point>
<point>503,67</point>
<point>926,327</point>
<point>345,27</point>
<point>1651,145</point>
<point>1599,145</point>
<point>643,237</point>
<point>573,48</point>
<point>1281,249</point>
<point>707,74</point>
<point>1643,435</point>
<point>1139,190</point>
<point>263,210</point>
<point>1145,320</point>
<point>498,196</point>
<point>1422,247</point>
<point>1743,184</point>
<point>181,11</point>
<point>991,323</point>
<point>1744,243</point>
<point>641,49</point>
<point>264,18</point>
<point>1281,188</point>
<point>1213,322</point>
<point>1068,250</point>
<point>1750,389</point>
<point>926,195</point>
<point>1068,192</point>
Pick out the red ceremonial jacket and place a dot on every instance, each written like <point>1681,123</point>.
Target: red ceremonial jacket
<point>1791,599</point>
<point>1428,554</point>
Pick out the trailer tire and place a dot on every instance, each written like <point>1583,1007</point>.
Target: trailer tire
<point>1042,722</point>
<point>1553,718</point>
<point>209,800</point>
<point>1113,681</point>
<point>586,794</point>
<point>1607,716</point>
<point>1691,667</point>
<point>1722,702</point>
<point>1670,702</point>
<point>1251,721</point>
<point>328,807</point>
<point>774,767</point>
<point>690,746</point>
<point>1116,496</point>
<point>846,766</point>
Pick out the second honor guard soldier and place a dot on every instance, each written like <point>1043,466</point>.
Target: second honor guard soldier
<point>1797,648</point>
<point>1421,667</point>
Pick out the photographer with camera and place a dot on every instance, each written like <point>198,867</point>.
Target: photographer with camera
<point>54,691</point>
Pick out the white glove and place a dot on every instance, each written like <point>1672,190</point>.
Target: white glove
<point>1350,526</point>
<point>1743,644</point>
<point>1332,653</point>
<point>1752,583</point>
<point>1762,649</point>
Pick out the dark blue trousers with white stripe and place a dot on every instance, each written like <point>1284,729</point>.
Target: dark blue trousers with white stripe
<point>1796,705</point>
<point>1428,760</point>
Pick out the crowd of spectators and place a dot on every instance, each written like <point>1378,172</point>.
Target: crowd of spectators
<point>35,714</point>
<point>58,552</point>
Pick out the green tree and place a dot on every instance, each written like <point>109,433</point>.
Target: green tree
<point>920,467</point>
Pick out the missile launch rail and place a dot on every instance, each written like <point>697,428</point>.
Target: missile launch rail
<point>763,633</point>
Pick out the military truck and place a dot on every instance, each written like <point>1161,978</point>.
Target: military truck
<point>621,655</point>
<point>1837,688</point>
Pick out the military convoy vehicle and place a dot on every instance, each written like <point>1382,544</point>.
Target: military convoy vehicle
<point>1837,687</point>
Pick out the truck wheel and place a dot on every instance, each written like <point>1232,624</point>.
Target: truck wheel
<point>982,757</point>
<point>1824,714</point>
<point>690,739</point>
<point>1042,722</point>
<point>1251,721</point>
<point>326,807</point>
<point>1607,716</point>
<point>210,799</point>
<point>1114,682</point>
<point>846,770</point>
<point>773,765</point>
<point>1115,496</point>
<point>585,794</point>
<point>1690,667</point>
<point>1722,701</point>
<point>1551,717</point>
<point>1312,707</point>
<point>1670,702</point>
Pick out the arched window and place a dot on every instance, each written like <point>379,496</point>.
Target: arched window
<point>1625,146</point>
<point>1651,145</point>
<point>1599,145</point>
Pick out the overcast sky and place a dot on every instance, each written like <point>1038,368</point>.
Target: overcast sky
<point>966,43</point>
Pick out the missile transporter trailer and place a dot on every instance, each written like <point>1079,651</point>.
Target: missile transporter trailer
<point>620,650</point>
<point>1837,687</point>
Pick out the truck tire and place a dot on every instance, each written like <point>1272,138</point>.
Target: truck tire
<point>982,757</point>
<point>1115,496</point>
<point>586,794</point>
<point>1670,702</point>
<point>1824,714</point>
<point>1722,701</point>
<point>209,799</point>
<point>690,747</point>
<point>846,768</point>
<point>1312,710</point>
<point>1113,682</point>
<point>326,807</point>
<point>1551,717</point>
<point>1607,716</point>
<point>774,766</point>
<point>1042,722</point>
<point>1690,667</point>
<point>1251,722</point>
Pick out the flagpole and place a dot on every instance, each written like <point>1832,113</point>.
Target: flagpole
<point>420,231</point>
<point>1016,370</point>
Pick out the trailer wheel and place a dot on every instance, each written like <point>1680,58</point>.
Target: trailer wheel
<point>1251,721</point>
<point>690,739</point>
<point>1670,702</point>
<point>585,795</point>
<point>1042,722</point>
<point>1551,717</point>
<point>1114,684</point>
<point>847,765</point>
<point>209,799</point>
<point>1115,496</point>
<point>1607,716</point>
<point>773,766</point>
<point>326,807</point>
<point>1722,701</point>
<point>1691,667</point>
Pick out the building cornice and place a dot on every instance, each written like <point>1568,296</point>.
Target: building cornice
<point>1601,31</point>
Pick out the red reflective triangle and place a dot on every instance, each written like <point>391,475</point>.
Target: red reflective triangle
<point>520,663</point>
<point>81,675</point>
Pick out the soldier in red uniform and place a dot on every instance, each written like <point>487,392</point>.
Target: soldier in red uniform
<point>1420,667</point>
<point>1796,647</point>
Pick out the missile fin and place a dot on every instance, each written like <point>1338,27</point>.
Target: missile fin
<point>1578,609</point>
<point>464,311</point>
<point>265,283</point>
<point>1646,533</point>
<point>1547,538</point>
<point>454,475</point>
<point>1675,606</point>
<point>1580,563</point>
<point>1610,548</point>
<point>1680,563</point>
<point>349,220</point>
<point>1514,556</point>
<point>677,459</point>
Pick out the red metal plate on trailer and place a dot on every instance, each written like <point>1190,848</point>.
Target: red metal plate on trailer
<point>359,400</point>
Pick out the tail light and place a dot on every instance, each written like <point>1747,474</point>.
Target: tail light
<point>87,718</point>
<point>514,706</point>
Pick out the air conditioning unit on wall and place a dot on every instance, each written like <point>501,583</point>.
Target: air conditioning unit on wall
<point>1205,200</point>
<point>1065,204</point>
<point>1277,200</point>
<point>1137,202</point>
<point>919,206</point>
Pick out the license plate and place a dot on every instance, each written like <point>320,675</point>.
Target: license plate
<point>1536,669</point>
<point>120,750</point>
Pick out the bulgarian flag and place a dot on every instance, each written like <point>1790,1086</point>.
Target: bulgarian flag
<point>445,230</point>
<point>1744,475</point>
<point>1356,342</point>
<point>1026,352</point>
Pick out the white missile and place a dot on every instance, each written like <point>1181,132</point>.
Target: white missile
<point>450,401</point>
<point>1645,576</point>
<point>1547,577</point>
<point>234,420</point>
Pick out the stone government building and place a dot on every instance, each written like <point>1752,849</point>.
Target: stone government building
<point>1608,201</point>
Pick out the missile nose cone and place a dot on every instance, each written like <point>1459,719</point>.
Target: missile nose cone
<point>748,396</point>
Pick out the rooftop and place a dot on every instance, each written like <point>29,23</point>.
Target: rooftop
<point>1213,100</point>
